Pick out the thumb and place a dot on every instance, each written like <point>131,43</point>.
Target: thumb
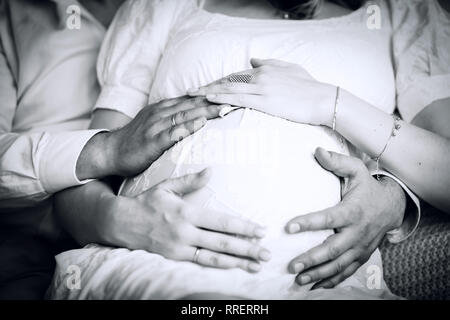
<point>187,183</point>
<point>341,165</point>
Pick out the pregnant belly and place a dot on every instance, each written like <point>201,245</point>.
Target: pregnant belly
<point>263,169</point>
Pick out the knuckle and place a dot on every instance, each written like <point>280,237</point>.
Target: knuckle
<point>224,244</point>
<point>333,252</point>
<point>329,220</point>
<point>150,133</point>
<point>169,251</point>
<point>182,116</point>
<point>224,223</point>
<point>214,260</point>
<point>339,267</point>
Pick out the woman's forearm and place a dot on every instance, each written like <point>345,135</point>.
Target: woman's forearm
<point>418,157</point>
<point>83,210</point>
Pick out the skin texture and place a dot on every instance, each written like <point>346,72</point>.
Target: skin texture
<point>108,215</point>
<point>361,219</point>
<point>158,220</point>
<point>424,169</point>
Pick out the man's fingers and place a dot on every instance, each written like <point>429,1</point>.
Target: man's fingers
<point>213,259</point>
<point>330,218</point>
<point>327,270</point>
<point>222,222</point>
<point>341,165</point>
<point>331,282</point>
<point>329,250</point>
<point>174,134</point>
<point>239,99</point>
<point>219,242</point>
<point>187,183</point>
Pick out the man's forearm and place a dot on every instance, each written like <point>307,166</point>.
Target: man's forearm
<point>83,211</point>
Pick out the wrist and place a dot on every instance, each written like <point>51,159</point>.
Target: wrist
<point>107,222</point>
<point>398,200</point>
<point>94,161</point>
<point>327,106</point>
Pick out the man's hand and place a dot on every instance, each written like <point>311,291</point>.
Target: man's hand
<point>160,221</point>
<point>134,147</point>
<point>368,210</point>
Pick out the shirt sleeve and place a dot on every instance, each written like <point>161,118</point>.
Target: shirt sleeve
<point>131,51</point>
<point>421,51</point>
<point>33,165</point>
<point>412,212</point>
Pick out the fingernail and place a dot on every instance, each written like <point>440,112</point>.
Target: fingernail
<point>260,232</point>
<point>305,279</point>
<point>192,90</point>
<point>294,227</point>
<point>211,96</point>
<point>298,267</point>
<point>254,267</point>
<point>265,255</point>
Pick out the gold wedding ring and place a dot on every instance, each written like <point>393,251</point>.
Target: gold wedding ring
<point>196,254</point>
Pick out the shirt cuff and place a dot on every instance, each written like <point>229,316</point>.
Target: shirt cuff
<point>122,99</point>
<point>58,159</point>
<point>412,212</point>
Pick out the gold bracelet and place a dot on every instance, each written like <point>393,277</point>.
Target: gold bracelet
<point>336,103</point>
<point>395,128</point>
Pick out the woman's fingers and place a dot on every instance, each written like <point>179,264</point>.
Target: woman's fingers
<point>222,222</point>
<point>329,269</point>
<point>329,250</point>
<point>239,99</point>
<point>229,87</point>
<point>213,259</point>
<point>223,243</point>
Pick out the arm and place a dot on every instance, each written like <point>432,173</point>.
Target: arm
<point>416,156</point>
<point>158,220</point>
<point>33,166</point>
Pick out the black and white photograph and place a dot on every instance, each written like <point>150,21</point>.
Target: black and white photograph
<point>232,150</point>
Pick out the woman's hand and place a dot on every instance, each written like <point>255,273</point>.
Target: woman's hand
<point>160,221</point>
<point>278,88</point>
<point>134,147</point>
<point>368,210</point>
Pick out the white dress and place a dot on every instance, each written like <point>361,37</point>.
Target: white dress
<point>263,167</point>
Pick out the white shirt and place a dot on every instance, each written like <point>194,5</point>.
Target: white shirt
<point>48,87</point>
<point>178,46</point>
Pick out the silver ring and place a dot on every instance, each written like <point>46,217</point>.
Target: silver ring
<point>196,254</point>
<point>242,77</point>
<point>174,123</point>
